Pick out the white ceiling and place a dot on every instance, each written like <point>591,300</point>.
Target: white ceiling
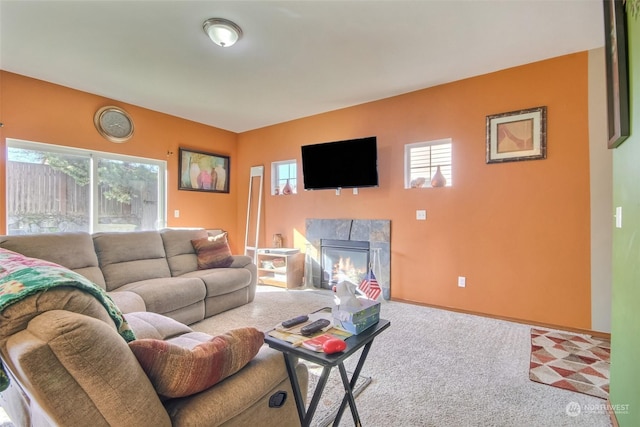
<point>296,58</point>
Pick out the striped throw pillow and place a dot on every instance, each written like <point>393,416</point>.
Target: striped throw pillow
<point>213,252</point>
<point>177,371</point>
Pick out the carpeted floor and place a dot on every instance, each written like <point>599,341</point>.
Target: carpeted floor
<point>574,362</point>
<point>436,367</point>
<point>332,395</point>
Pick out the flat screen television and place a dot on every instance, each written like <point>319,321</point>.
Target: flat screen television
<point>351,163</point>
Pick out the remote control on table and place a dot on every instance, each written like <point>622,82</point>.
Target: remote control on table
<point>314,327</point>
<point>295,321</point>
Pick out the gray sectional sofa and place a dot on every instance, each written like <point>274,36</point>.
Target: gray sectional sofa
<point>153,271</point>
<point>68,364</point>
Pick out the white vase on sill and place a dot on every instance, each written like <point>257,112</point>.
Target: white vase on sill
<point>438,179</point>
<point>286,190</point>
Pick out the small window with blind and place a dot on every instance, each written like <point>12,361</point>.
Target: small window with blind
<point>284,177</point>
<point>422,160</point>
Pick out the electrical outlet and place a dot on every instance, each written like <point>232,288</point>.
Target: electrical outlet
<point>421,214</point>
<point>462,281</point>
<point>176,213</point>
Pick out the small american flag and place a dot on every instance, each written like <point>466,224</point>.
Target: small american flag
<point>370,286</point>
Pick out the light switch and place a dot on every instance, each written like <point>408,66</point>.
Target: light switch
<point>421,214</point>
<point>619,217</point>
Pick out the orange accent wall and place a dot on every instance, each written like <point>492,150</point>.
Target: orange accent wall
<point>519,231</point>
<point>38,111</point>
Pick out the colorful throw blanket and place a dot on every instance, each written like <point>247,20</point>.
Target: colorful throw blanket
<point>21,276</point>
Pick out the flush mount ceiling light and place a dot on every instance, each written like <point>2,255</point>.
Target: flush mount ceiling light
<point>222,31</point>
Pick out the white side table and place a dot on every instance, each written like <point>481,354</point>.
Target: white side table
<point>283,267</point>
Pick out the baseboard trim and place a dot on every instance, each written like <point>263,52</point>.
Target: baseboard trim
<point>612,415</point>
<point>598,334</point>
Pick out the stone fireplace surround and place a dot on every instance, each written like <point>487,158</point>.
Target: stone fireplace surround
<point>376,231</point>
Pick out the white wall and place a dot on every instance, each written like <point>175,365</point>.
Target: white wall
<point>601,173</point>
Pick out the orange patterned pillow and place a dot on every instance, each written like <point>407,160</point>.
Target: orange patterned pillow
<point>176,371</point>
<point>213,252</point>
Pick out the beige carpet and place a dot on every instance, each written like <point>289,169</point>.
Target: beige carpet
<point>436,367</point>
<point>332,396</point>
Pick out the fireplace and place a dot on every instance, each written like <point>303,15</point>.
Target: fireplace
<point>343,260</point>
<point>374,232</point>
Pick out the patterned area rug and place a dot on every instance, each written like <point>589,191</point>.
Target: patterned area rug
<point>573,362</point>
<point>332,396</point>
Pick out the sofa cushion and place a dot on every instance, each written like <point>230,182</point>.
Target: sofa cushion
<point>177,371</point>
<point>130,257</point>
<point>188,315</point>
<point>168,294</point>
<point>181,255</point>
<point>190,339</point>
<point>213,252</point>
<point>220,281</point>
<point>155,326</point>
<point>73,250</point>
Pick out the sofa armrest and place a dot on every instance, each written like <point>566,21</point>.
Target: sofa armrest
<point>81,372</point>
<point>240,261</point>
<point>244,261</point>
<point>127,301</point>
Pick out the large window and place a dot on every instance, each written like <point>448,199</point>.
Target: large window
<point>421,160</point>
<point>52,188</point>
